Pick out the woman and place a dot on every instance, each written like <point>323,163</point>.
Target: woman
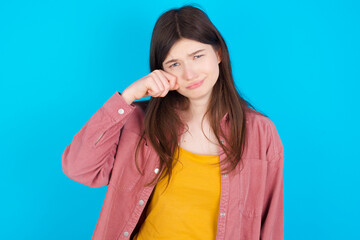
<point>194,162</point>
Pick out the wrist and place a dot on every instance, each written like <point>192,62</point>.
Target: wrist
<point>128,97</point>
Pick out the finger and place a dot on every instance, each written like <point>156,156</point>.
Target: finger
<point>153,88</point>
<point>156,82</point>
<point>172,80</point>
<point>153,91</point>
<point>168,75</point>
<point>175,87</point>
<point>164,81</point>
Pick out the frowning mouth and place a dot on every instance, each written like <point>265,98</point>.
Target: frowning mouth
<point>195,84</point>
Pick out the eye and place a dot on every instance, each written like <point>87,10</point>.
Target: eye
<point>198,56</point>
<point>173,65</point>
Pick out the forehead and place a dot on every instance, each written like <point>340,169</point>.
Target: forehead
<point>183,47</point>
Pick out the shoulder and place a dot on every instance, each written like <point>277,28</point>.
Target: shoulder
<point>261,130</point>
<point>256,119</point>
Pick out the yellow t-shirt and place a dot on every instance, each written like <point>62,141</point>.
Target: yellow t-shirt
<point>188,209</point>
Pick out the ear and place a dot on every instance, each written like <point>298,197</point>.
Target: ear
<point>219,55</point>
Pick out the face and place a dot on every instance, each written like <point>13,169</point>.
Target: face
<point>196,66</point>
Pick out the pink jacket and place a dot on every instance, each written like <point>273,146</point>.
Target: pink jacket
<point>102,153</point>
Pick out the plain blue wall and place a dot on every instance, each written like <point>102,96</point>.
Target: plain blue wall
<point>296,61</point>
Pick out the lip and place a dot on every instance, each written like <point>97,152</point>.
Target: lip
<point>195,84</point>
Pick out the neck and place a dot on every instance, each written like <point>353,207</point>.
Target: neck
<point>197,109</point>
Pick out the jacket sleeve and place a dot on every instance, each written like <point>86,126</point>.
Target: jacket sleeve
<point>89,158</point>
<point>272,222</point>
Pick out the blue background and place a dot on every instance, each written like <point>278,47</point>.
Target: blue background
<point>296,61</point>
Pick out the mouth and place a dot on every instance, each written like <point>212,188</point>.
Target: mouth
<point>195,84</point>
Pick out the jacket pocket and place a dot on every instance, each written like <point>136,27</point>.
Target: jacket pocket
<point>102,134</point>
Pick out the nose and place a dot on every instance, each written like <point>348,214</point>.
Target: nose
<point>189,72</point>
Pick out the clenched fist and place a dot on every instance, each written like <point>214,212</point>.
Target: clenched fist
<point>156,84</point>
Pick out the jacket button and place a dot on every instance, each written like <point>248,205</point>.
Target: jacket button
<point>141,202</point>
<point>121,111</point>
<point>222,214</point>
<point>156,170</point>
<point>126,234</point>
<point>222,141</point>
<point>225,175</point>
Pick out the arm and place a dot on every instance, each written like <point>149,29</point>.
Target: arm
<point>272,222</point>
<point>89,158</point>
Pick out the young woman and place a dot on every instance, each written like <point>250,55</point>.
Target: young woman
<point>194,162</point>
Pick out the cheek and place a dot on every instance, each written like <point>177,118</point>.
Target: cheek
<point>213,71</point>
<point>211,66</point>
<point>182,92</point>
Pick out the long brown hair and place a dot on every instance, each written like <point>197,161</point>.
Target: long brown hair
<point>162,123</point>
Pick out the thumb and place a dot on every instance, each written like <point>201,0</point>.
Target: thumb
<point>176,86</point>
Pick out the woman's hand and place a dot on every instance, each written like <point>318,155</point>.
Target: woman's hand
<point>156,84</point>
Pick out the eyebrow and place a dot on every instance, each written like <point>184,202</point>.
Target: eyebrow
<point>191,54</point>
